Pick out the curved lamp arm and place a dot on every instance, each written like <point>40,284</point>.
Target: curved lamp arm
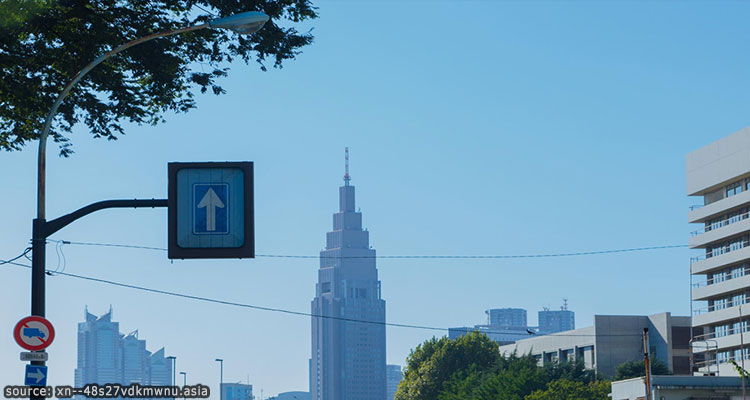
<point>40,211</point>
<point>242,23</point>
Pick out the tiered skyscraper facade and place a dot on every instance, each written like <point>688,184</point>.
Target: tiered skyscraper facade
<point>348,357</point>
<point>107,356</point>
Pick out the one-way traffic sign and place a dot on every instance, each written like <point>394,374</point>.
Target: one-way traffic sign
<point>36,375</point>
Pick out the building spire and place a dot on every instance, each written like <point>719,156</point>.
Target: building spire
<point>347,178</point>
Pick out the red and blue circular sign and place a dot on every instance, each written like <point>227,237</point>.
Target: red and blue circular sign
<point>34,333</point>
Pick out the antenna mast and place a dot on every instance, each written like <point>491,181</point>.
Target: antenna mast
<point>347,178</point>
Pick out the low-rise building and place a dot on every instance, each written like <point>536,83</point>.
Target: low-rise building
<point>679,388</point>
<point>613,340</point>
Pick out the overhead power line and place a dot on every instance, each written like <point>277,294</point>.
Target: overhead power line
<point>434,256</point>
<point>271,309</point>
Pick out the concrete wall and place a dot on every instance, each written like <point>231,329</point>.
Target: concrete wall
<point>718,162</point>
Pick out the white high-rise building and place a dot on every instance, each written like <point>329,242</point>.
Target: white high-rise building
<point>719,175</point>
<point>107,356</point>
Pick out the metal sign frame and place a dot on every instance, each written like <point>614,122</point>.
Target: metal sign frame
<point>247,250</point>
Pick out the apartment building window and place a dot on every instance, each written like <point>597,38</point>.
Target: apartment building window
<point>741,354</point>
<point>722,330</point>
<point>738,271</point>
<point>722,356</point>
<point>736,244</point>
<point>717,277</point>
<point>733,217</point>
<point>720,304</point>
<point>716,250</point>
<point>737,327</point>
<point>739,299</point>
<point>734,188</point>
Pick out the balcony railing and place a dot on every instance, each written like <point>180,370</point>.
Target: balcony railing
<point>730,303</point>
<point>733,246</point>
<point>728,332</point>
<point>719,224</point>
<point>728,276</point>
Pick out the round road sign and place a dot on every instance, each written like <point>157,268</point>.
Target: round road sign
<point>34,333</point>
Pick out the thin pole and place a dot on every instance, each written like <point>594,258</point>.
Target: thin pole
<point>184,382</point>
<point>742,354</point>
<point>647,363</point>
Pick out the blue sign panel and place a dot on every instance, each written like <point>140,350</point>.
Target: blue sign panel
<point>36,375</point>
<point>210,210</point>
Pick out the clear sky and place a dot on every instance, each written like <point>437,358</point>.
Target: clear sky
<point>474,128</point>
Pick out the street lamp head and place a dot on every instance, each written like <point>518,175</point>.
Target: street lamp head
<point>219,360</point>
<point>243,23</point>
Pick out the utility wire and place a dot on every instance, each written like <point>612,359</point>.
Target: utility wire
<point>278,310</point>
<point>549,255</point>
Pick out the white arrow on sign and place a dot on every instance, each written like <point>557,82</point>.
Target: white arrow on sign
<point>37,374</point>
<point>210,202</point>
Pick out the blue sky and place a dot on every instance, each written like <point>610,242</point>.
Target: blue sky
<point>474,128</point>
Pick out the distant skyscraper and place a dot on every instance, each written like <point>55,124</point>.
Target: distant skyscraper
<point>507,318</point>
<point>557,321</point>
<point>99,350</point>
<point>236,391</point>
<point>393,377</point>
<point>107,356</point>
<point>348,358</point>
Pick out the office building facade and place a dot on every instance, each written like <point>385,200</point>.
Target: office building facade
<point>613,340</point>
<point>507,318</point>
<point>236,391</point>
<point>393,377</point>
<point>556,321</point>
<point>719,175</point>
<point>348,357</point>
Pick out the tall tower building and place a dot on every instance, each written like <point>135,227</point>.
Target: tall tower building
<point>719,175</point>
<point>348,357</point>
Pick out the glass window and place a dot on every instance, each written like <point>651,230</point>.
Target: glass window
<point>719,276</point>
<point>737,328</point>
<point>734,188</point>
<point>721,330</point>
<point>738,299</point>
<point>738,271</point>
<point>720,304</point>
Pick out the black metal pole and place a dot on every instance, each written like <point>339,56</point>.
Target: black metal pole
<point>38,247</point>
<point>41,230</point>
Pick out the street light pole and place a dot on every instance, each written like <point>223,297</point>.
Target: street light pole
<point>221,378</point>
<point>243,23</point>
<point>174,370</point>
<point>184,383</point>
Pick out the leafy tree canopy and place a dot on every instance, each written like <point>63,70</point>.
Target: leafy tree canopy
<point>470,368</point>
<point>636,368</point>
<point>433,363</point>
<point>563,389</point>
<point>44,43</point>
